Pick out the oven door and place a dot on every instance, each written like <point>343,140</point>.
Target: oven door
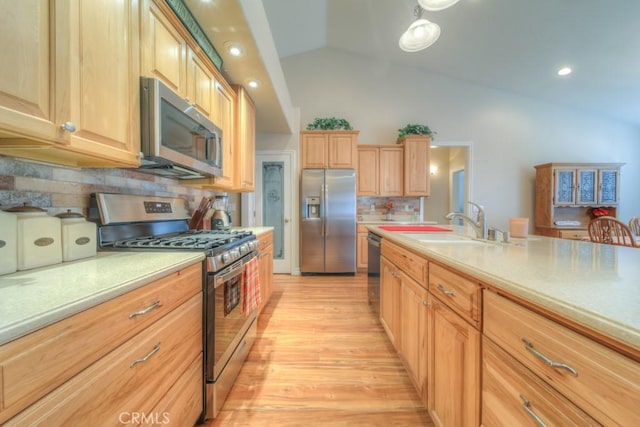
<point>224,324</point>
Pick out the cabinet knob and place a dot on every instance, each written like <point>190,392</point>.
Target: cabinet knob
<point>68,126</point>
<point>425,303</point>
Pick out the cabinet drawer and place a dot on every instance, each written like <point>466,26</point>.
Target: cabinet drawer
<point>573,234</point>
<point>513,396</point>
<point>459,293</point>
<point>67,347</point>
<point>131,379</point>
<point>412,264</point>
<point>265,240</point>
<point>604,383</point>
<point>182,405</point>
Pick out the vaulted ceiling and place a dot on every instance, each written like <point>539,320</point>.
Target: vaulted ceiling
<point>511,45</point>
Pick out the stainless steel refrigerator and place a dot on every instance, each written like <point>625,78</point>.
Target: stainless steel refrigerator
<point>328,221</point>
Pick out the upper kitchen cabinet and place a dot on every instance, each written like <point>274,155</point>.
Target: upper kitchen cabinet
<point>332,149</point>
<point>71,95</point>
<point>380,170</point>
<point>164,50</point>
<point>566,193</point>
<point>416,164</point>
<point>224,105</point>
<point>245,159</point>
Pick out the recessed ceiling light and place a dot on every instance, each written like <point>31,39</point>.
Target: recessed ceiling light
<point>254,83</point>
<point>234,49</point>
<point>564,71</point>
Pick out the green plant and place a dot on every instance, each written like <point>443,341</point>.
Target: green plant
<point>415,130</point>
<point>329,124</point>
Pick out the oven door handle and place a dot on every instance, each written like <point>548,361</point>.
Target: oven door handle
<point>235,271</point>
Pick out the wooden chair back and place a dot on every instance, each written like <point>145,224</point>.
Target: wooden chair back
<point>634,225</point>
<point>607,229</point>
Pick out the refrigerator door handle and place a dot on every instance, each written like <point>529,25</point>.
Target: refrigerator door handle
<point>325,205</point>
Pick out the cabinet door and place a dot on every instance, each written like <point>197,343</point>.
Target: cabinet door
<point>26,78</point>
<point>224,103</point>
<point>99,43</point>
<point>314,151</point>
<point>454,369</point>
<point>164,50</point>
<point>200,85</point>
<point>417,166</point>
<point>389,300</point>
<point>391,171</point>
<point>246,134</point>
<point>368,171</point>
<point>608,187</point>
<point>342,151</point>
<point>564,187</point>
<point>413,330</point>
<point>362,258</point>
<point>586,191</point>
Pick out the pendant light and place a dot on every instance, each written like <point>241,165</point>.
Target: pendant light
<point>435,5</point>
<point>420,35</point>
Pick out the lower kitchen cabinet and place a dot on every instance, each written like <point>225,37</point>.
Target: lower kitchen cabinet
<point>362,248</point>
<point>513,396</point>
<point>122,357</point>
<point>414,332</point>
<point>454,368</point>
<point>390,300</point>
<point>266,267</point>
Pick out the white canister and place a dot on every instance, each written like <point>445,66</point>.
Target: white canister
<point>8,242</point>
<point>39,237</point>
<point>78,236</point>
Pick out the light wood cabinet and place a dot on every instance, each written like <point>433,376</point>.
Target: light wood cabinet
<point>334,149</point>
<point>201,86</point>
<point>513,396</point>
<point>75,66</point>
<point>602,382</point>
<point>390,301</point>
<point>164,50</point>
<point>362,248</point>
<point>224,100</point>
<point>414,303</point>
<point>266,267</point>
<point>246,142</point>
<point>380,170</point>
<point>566,192</point>
<point>462,295</point>
<point>417,168</point>
<point>454,368</point>
<point>79,356</point>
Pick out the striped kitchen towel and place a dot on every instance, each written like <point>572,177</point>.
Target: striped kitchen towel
<point>251,297</point>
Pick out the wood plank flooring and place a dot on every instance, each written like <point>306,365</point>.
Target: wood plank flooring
<point>321,358</point>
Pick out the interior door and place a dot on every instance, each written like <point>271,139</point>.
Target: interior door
<point>272,204</point>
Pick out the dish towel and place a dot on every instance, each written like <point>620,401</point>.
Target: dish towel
<point>250,297</point>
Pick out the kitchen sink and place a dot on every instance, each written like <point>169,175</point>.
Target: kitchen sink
<point>446,238</point>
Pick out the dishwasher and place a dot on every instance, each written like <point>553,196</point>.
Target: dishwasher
<point>373,271</point>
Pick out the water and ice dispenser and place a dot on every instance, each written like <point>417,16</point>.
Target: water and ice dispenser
<point>312,207</point>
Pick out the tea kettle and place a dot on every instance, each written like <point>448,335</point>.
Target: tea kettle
<point>220,220</point>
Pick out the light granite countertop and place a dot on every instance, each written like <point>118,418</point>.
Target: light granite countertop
<point>257,230</point>
<point>595,285</point>
<point>32,299</point>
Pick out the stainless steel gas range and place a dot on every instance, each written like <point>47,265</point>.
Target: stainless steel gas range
<point>151,223</point>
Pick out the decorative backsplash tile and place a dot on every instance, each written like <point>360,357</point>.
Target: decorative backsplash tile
<point>58,188</point>
<point>398,208</point>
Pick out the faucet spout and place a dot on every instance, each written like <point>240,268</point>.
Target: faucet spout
<point>479,225</point>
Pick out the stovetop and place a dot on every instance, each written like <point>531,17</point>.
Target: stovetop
<point>192,240</point>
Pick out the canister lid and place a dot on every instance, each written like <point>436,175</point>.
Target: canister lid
<point>26,207</point>
<point>69,214</point>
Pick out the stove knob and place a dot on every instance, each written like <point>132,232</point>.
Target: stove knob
<point>224,257</point>
<point>243,249</point>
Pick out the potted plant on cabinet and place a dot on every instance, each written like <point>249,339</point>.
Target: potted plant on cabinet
<point>330,123</point>
<point>414,129</point>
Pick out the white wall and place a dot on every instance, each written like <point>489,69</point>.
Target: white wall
<point>510,133</point>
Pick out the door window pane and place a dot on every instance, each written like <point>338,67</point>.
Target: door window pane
<point>273,203</point>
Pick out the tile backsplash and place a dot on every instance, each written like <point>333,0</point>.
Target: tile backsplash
<point>402,208</point>
<point>58,188</point>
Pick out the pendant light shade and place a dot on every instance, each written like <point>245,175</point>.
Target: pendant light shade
<point>435,5</point>
<point>420,35</point>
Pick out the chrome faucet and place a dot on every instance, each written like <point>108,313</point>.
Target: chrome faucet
<point>479,226</point>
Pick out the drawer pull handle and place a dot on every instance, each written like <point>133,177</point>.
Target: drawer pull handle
<point>558,365</point>
<point>446,292</point>
<point>153,306</point>
<point>147,357</point>
<point>527,407</point>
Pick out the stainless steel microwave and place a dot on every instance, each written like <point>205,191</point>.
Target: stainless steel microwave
<point>177,141</point>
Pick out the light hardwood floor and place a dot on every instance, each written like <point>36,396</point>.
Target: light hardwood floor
<point>321,359</point>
